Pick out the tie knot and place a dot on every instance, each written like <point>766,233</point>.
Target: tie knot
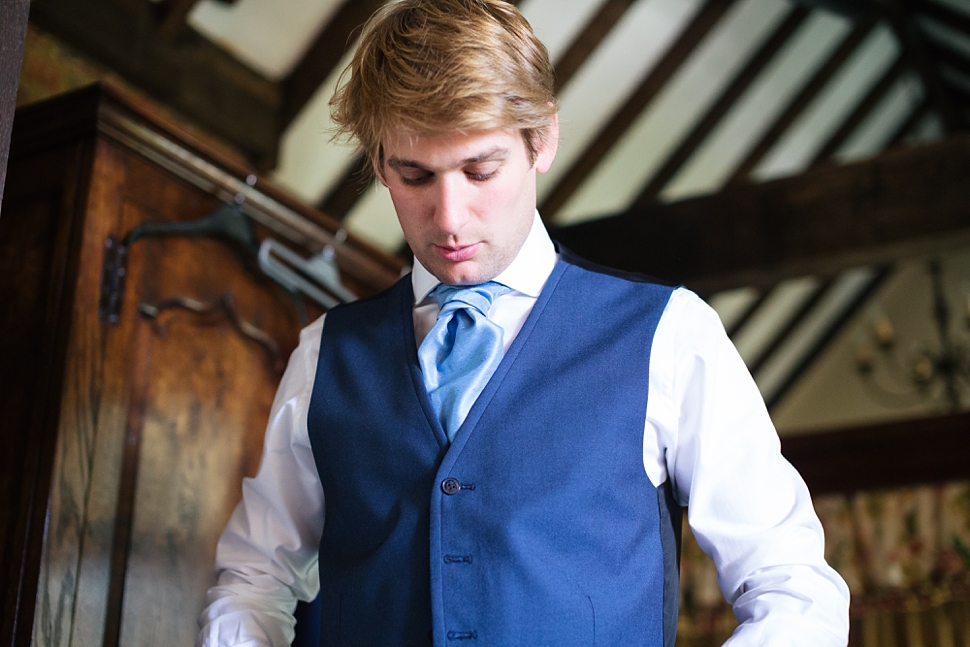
<point>479,297</point>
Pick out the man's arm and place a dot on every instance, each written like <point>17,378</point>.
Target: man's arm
<point>267,555</point>
<point>747,506</point>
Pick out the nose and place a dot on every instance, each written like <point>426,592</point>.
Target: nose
<point>450,207</point>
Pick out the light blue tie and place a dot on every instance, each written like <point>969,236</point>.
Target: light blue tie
<point>462,350</point>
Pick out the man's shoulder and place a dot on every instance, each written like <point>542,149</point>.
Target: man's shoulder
<point>609,277</point>
<point>387,300</point>
<point>571,258</point>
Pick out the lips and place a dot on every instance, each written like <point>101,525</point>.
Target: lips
<point>457,254</point>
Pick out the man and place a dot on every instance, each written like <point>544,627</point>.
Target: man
<point>538,501</point>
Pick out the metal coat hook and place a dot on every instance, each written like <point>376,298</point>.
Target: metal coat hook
<point>305,275</point>
<point>228,221</point>
<point>225,305</point>
<point>316,277</point>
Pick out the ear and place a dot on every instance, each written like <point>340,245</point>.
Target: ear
<point>548,146</point>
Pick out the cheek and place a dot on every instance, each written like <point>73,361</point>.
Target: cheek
<point>506,195</point>
<point>407,209</point>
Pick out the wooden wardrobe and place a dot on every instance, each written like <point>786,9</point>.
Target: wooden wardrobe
<point>126,436</point>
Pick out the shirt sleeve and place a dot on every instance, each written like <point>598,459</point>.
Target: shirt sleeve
<point>747,506</point>
<point>266,558</point>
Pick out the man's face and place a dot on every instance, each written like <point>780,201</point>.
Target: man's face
<point>465,201</point>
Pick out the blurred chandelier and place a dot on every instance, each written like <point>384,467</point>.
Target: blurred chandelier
<point>940,374</point>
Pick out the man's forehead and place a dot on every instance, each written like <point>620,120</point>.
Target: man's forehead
<point>405,146</point>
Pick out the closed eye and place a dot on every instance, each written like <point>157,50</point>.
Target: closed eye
<point>416,180</point>
<point>482,172</point>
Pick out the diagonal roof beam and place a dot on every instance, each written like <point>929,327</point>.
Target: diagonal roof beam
<point>779,336</point>
<point>348,189</point>
<point>805,97</point>
<point>861,111</point>
<point>942,14</point>
<point>961,95</point>
<point>172,15</point>
<point>322,56</point>
<point>907,126</point>
<point>911,38</point>
<point>827,335</point>
<point>702,23</point>
<point>758,61</point>
<point>951,58</point>
<point>903,202</point>
<point>598,27</point>
<point>748,313</point>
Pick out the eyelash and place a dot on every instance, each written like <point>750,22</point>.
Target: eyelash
<point>477,177</point>
<point>481,177</point>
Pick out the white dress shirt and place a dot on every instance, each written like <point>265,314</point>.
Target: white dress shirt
<point>706,429</point>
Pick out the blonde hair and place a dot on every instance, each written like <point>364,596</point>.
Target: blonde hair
<point>434,66</point>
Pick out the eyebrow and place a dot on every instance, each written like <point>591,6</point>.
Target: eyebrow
<point>488,156</point>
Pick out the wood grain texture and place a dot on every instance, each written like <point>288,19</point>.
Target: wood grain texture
<point>129,441</point>
<point>39,257</point>
<point>73,581</point>
<point>123,383</point>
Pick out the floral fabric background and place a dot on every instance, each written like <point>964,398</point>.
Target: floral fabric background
<point>904,553</point>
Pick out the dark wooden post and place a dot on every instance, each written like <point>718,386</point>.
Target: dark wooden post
<point>13,30</point>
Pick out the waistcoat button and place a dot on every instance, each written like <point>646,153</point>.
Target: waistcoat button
<point>450,485</point>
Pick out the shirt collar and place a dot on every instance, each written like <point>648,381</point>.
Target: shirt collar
<point>527,272</point>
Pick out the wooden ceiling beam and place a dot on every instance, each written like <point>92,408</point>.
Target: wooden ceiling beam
<point>852,9</point>
<point>702,23</point>
<point>323,56</point>
<point>911,37</point>
<point>861,111</point>
<point>802,100</point>
<point>907,126</point>
<point>748,314</point>
<point>942,14</point>
<point>961,95</point>
<point>896,454</point>
<point>951,58</point>
<point>172,16</point>
<point>347,190</point>
<point>831,329</point>
<point>778,337</point>
<point>599,26</point>
<point>903,202</point>
<point>192,75</point>
<point>735,89</point>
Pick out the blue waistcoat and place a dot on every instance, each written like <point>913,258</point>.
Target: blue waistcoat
<point>538,525</point>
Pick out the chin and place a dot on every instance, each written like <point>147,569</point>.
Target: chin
<point>468,275</point>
